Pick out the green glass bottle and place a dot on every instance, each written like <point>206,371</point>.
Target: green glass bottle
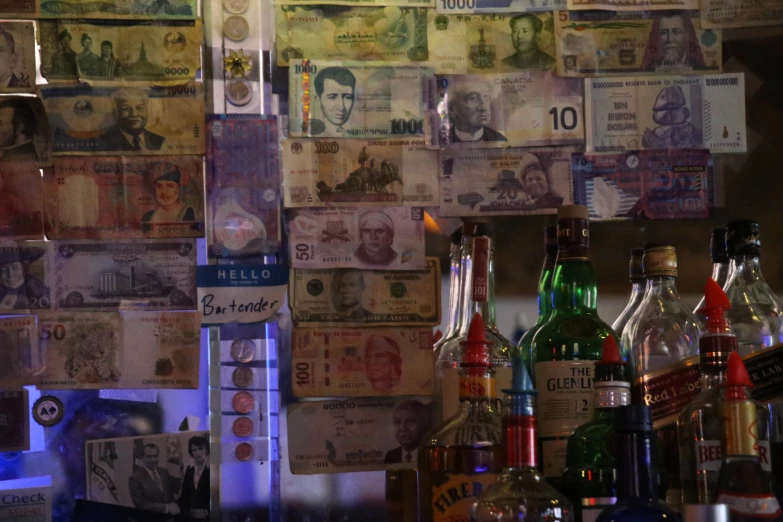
<point>565,348</point>
<point>544,294</point>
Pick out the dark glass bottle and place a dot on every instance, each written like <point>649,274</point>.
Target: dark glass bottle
<point>544,293</point>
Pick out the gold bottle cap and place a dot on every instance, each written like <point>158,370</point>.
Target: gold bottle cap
<point>659,260</point>
<point>572,211</point>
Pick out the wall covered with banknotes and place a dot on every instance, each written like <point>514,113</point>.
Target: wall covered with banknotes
<point>260,258</point>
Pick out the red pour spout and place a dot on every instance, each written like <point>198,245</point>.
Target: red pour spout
<point>737,378</point>
<point>475,350</point>
<point>716,302</point>
<point>611,353</point>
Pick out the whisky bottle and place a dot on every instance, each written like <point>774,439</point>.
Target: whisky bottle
<point>565,348</point>
<point>520,492</point>
<point>720,265</point>
<point>589,479</point>
<point>464,455</point>
<point>705,513</point>
<point>637,500</point>
<point>455,292</point>
<point>743,484</point>
<point>544,293</point>
<point>636,274</point>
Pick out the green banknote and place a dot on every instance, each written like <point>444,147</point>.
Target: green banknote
<point>120,9</point>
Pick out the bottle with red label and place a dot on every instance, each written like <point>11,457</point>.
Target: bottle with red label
<point>743,483</point>
<point>464,455</point>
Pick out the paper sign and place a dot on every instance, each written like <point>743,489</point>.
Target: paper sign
<point>28,500</point>
<point>240,293</point>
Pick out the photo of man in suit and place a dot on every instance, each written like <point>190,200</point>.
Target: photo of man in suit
<point>525,35</point>
<point>411,421</point>
<point>673,44</point>
<point>194,496</point>
<point>347,291</point>
<point>376,235</point>
<point>538,183</point>
<point>18,125</point>
<point>334,87</point>
<point>8,60</point>
<point>469,112</point>
<point>170,209</point>
<point>151,486</point>
<point>130,108</point>
<point>20,290</point>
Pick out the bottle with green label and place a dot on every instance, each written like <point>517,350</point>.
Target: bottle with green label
<point>565,348</point>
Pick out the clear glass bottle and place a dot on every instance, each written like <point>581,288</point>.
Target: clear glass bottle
<point>720,265</point>
<point>455,291</point>
<point>464,455</point>
<point>521,493</point>
<point>636,274</point>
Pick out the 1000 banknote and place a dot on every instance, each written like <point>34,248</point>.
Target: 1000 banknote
<point>128,121</point>
<point>350,297</point>
<point>495,7</point>
<point>22,355</point>
<point>606,43</point>
<point>120,9</point>
<point>361,362</point>
<point>666,112</point>
<point>355,100</point>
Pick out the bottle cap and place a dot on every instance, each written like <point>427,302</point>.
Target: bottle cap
<point>716,302</point>
<point>737,374</point>
<point>473,227</point>
<point>718,252</point>
<point>635,268</point>
<point>572,212</point>
<point>520,398</point>
<point>573,232</point>
<point>705,513</point>
<point>659,259</point>
<point>716,354</point>
<point>475,349</point>
<point>611,367</point>
<point>633,418</point>
<point>743,238</point>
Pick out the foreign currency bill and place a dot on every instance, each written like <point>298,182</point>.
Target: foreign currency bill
<point>354,362</point>
<point>18,72</point>
<point>92,197</point>
<point>485,44</point>
<point>524,109</point>
<point>652,184</point>
<point>359,173</point>
<point>15,431</point>
<point>158,52</point>
<point>505,182</point>
<point>30,138</point>
<point>337,33</point>
<point>368,3</point>
<point>738,13</point>
<point>350,297</point>
<point>356,434</point>
<point>632,5</point>
<point>21,354</point>
<point>666,112</point>
<point>120,9</point>
<point>120,350</point>
<point>355,100</point>
<point>243,185</point>
<point>21,193</point>
<point>368,238</point>
<point>25,276</point>
<point>150,274</point>
<point>131,121</point>
<point>20,9</point>
<point>496,7</point>
<point>611,43</point>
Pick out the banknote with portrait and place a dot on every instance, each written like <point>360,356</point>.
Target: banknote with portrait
<point>25,276</point>
<point>363,434</point>
<point>157,52</point>
<point>21,194</point>
<point>351,297</point>
<point>369,238</point>
<point>92,197</point>
<point>120,9</point>
<point>21,355</point>
<point>127,121</point>
<point>17,55</point>
<point>505,182</point>
<point>28,138</point>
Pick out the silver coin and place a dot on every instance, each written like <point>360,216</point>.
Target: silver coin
<point>242,377</point>
<point>243,350</point>
<point>239,92</point>
<point>236,6</point>
<point>236,28</point>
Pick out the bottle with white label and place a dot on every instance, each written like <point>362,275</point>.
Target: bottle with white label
<point>565,349</point>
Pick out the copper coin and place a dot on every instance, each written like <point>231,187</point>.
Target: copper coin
<point>242,427</point>
<point>236,6</point>
<point>236,28</point>
<point>243,402</point>
<point>244,451</point>
<point>242,377</point>
<point>243,350</point>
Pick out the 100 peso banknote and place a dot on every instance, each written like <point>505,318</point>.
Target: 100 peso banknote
<point>20,351</point>
<point>350,297</point>
<point>361,362</point>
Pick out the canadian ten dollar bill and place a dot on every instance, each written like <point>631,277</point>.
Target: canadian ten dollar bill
<point>356,434</point>
<point>350,297</point>
<point>505,182</point>
<point>20,351</point>
<point>607,43</point>
<point>18,74</point>
<point>666,112</point>
<point>131,121</point>
<point>740,13</point>
<point>27,276</point>
<point>355,100</point>
<point>361,362</point>
<point>120,9</point>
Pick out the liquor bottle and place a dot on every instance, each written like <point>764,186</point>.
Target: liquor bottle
<point>663,337</point>
<point>464,455</point>
<point>699,429</point>
<point>544,293</point>
<point>590,474</point>
<point>521,493</point>
<point>455,292</point>
<point>477,274</point>
<point>705,513</point>
<point>720,265</point>
<point>637,500</point>
<point>636,273</point>
<point>565,347</point>
<point>743,484</point>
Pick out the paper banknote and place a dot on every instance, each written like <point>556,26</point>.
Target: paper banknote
<point>607,43</point>
<point>15,431</point>
<point>30,138</point>
<point>665,184</point>
<point>525,109</point>
<point>21,355</point>
<point>359,173</point>
<point>739,13</point>
<point>496,6</point>
<point>18,70</point>
<point>356,434</point>
<point>355,100</point>
<point>21,194</point>
<point>351,297</point>
<point>632,5</point>
<point>371,238</point>
<point>25,276</point>
<point>151,274</point>
<point>331,32</point>
<point>20,9</point>
<point>354,362</point>
<point>370,3</point>
<point>505,182</point>
<point>243,185</point>
<point>120,9</point>
<point>158,52</point>
<point>666,112</point>
<point>120,350</point>
<point>132,121</point>
<point>124,197</point>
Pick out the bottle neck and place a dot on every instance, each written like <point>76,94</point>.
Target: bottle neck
<point>634,466</point>
<point>608,395</point>
<point>454,290</point>
<point>745,270</point>
<point>637,292</point>
<point>720,272</point>
<point>662,287</point>
<point>574,287</point>
<point>521,441</point>
<point>712,378</point>
<point>545,292</point>
<point>740,423</point>
<point>477,287</point>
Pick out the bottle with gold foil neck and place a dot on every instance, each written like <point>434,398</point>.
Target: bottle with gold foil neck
<point>744,485</point>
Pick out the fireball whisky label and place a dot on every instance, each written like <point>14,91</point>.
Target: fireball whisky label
<point>668,390</point>
<point>452,494</point>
